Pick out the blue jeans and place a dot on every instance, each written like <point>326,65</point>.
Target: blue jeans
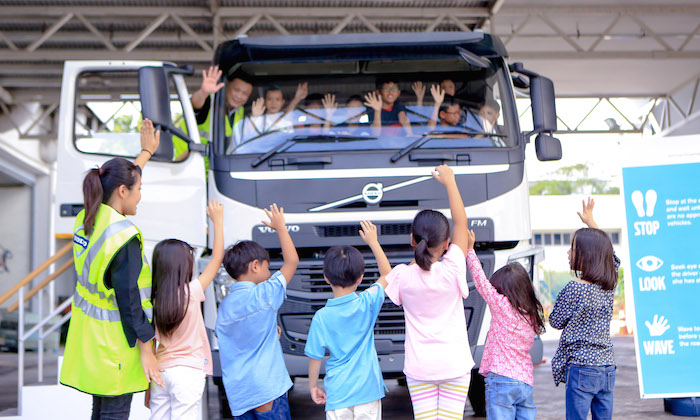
<point>589,388</point>
<point>279,411</point>
<point>508,398</point>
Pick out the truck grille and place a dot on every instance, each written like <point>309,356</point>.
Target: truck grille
<point>342,231</point>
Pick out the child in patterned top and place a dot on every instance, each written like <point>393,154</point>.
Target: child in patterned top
<point>517,318</point>
<point>584,358</point>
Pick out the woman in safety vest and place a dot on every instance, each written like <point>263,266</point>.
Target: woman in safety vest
<point>112,310</point>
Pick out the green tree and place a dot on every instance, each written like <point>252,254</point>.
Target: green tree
<point>575,181</point>
<point>122,124</point>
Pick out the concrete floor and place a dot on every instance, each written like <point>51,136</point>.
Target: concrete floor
<point>397,405</point>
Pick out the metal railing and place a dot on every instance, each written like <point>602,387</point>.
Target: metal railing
<point>38,329</point>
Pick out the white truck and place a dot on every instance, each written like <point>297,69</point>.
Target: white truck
<point>328,166</point>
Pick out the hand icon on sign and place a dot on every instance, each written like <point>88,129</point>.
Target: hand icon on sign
<point>658,327</point>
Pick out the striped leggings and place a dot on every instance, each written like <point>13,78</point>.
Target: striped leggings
<point>439,400</point>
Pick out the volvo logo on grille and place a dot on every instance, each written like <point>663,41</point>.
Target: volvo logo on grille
<point>373,192</point>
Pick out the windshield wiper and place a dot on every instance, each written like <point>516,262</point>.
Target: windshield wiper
<point>315,138</point>
<point>464,130</point>
<point>436,133</point>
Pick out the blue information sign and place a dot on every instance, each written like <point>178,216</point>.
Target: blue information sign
<point>662,205</point>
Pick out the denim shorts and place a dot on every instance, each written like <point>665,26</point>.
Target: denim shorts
<point>508,398</point>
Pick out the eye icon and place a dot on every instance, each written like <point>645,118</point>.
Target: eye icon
<point>649,263</point>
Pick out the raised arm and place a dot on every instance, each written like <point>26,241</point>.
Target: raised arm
<point>289,252</point>
<point>215,211</point>
<point>210,84</point>
<point>373,101</point>
<point>438,98</point>
<point>149,143</point>
<point>301,93</point>
<point>446,177</point>
<point>419,90</point>
<point>330,105</point>
<point>485,288</point>
<point>405,123</point>
<point>586,214</point>
<point>369,235</point>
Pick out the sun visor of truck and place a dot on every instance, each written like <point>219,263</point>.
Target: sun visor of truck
<point>391,46</point>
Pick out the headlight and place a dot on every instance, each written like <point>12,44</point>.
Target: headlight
<point>222,284</point>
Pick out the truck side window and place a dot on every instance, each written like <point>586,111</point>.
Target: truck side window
<point>108,113</point>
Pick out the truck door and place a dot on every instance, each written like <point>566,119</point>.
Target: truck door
<point>100,118</point>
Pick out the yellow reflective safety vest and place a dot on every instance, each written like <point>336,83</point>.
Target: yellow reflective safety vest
<point>180,146</point>
<point>97,358</point>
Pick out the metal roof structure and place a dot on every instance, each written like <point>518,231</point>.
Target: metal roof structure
<point>617,48</point>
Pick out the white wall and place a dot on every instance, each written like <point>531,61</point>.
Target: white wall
<point>15,234</point>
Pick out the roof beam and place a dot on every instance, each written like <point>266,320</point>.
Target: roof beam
<point>560,32</point>
<point>514,10</point>
<point>651,32</point>
<point>8,42</point>
<point>395,12</point>
<point>281,29</point>
<point>368,24</point>
<point>247,26</point>
<point>6,96</point>
<point>96,32</point>
<point>343,23</point>
<point>185,27</point>
<point>52,30</point>
<point>607,30</point>
<point>147,31</point>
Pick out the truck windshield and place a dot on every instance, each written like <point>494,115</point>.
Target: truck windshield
<point>372,106</point>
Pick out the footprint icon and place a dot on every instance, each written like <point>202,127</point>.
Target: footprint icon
<point>651,202</point>
<point>638,201</point>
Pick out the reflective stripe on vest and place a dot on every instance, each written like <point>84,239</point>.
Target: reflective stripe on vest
<point>97,287</point>
<point>84,277</point>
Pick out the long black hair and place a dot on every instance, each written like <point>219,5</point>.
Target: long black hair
<point>592,258</point>
<point>513,282</point>
<point>173,264</point>
<point>100,183</point>
<point>430,228</point>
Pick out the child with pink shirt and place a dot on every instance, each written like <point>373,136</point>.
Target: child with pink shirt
<point>430,289</point>
<point>183,349</point>
<point>516,319</point>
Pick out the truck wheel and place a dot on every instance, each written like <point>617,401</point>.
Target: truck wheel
<point>477,394</point>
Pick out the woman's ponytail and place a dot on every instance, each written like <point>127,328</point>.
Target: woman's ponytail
<point>92,198</point>
<point>100,183</point>
<point>430,228</point>
<point>422,254</point>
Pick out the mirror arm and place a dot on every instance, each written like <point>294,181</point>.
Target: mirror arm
<point>191,145</point>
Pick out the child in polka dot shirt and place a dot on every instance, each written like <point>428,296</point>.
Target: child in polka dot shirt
<point>583,309</point>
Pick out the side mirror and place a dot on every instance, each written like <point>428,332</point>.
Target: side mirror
<point>547,147</point>
<point>155,105</point>
<point>154,93</point>
<point>544,114</point>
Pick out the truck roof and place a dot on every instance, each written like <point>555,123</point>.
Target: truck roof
<point>342,47</point>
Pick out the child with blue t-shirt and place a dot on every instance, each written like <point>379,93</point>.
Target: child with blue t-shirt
<point>254,374</point>
<point>345,327</point>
